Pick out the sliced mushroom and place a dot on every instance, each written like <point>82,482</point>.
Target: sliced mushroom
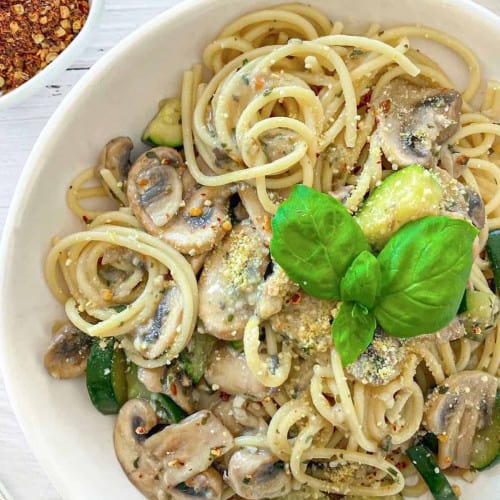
<point>123,272</point>
<point>277,143</point>
<point>115,157</point>
<point>197,261</point>
<point>460,201</point>
<point>142,467</point>
<point>178,386</point>
<point>452,161</point>
<point>154,188</point>
<point>453,331</point>
<point>223,364</point>
<point>158,333</point>
<point>475,207</point>
<point>224,411</point>
<point>208,485</point>
<point>230,280</point>
<point>152,378</point>
<point>68,352</point>
<point>191,446</point>
<point>311,333</point>
<point>380,363</point>
<point>258,475</point>
<point>157,463</point>
<point>458,407</point>
<point>202,221</point>
<point>259,217</point>
<point>273,292</point>
<point>415,121</point>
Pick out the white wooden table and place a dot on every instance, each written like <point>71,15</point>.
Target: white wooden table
<point>19,128</point>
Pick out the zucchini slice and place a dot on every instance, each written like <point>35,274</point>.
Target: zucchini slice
<point>165,129</point>
<point>481,313</point>
<point>106,381</point>
<point>486,444</point>
<point>493,250</point>
<point>409,194</point>
<point>194,358</point>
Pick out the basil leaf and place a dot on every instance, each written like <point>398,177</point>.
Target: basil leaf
<point>315,240</point>
<point>425,267</point>
<point>361,282</point>
<point>352,330</point>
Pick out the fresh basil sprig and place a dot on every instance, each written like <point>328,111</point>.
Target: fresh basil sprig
<point>352,331</point>
<point>414,286</point>
<point>317,239</point>
<point>425,267</point>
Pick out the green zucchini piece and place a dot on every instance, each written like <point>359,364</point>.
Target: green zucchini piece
<point>166,409</point>
<point>423,459</point>
<point>409,194</point>
<point>165,129</point>
<point>194,358</point>
<point>481,313</point>
<point>237,345</point>
<point>486,444</point>
<point>136,389</point>
<point>493,250</point>
<point>106,380</point>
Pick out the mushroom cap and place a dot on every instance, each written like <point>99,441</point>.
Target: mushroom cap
<point>157,463</point>
<point>154,188</point>
<point>229,282</point>
<point>154,336</point>
<point>190,447</point>
<point>380,363</point>
<point>68,351</point>
<point>256,475</point>
<point>199,225</point>
<point>115,157</point>
<point>259,217</point>
<point>311,333</point>
<point>458,407</point>
<point>414,121</point>
<point>223,361</point>
<point>207,484</point>
<point>135,419</point>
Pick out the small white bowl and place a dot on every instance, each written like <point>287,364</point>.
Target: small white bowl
<point>59,64</point>
<point>117,97</point>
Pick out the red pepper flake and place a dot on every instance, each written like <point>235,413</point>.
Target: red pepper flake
<point>316,89</point>
<point>365,100</point>
<point>165,161</point>
<point>259,83</point>
<point>99,261</point>
<point>295,298</point>
<point>224,396</point>
<point>85,219</point>
<point>140,430</point>
<point>385,106</point>
<point>173,389</point>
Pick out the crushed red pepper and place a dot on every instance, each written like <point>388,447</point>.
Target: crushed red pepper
<point>33,33</point>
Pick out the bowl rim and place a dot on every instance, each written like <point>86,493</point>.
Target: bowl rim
<point>59,64</point>
<point>44,142</point>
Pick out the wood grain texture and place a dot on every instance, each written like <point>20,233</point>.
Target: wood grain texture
<point>19,128</point>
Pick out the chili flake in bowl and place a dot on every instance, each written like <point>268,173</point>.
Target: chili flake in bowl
<point>38,38</point>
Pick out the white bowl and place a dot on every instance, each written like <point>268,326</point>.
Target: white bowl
<point>118,96</point>
<point>59,64</point>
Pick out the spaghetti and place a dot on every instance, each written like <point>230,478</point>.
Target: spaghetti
<point>290,100</point>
